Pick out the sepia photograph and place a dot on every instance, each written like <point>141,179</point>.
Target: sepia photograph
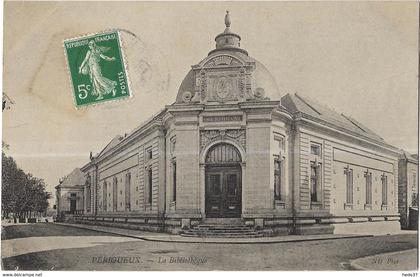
<point>209,135</point>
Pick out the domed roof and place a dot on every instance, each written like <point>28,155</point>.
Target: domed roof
<point>188,84</point>
<point>256,83</point>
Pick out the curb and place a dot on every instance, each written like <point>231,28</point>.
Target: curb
<point>99,231</point>
<point>215,242</point>
<point>255,242</point>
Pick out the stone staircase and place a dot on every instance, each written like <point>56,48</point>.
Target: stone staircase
<point>225,228</point>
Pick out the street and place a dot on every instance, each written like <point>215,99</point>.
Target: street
<point>47,246</point>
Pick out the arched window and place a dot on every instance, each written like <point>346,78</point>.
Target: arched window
<point>223,153</point>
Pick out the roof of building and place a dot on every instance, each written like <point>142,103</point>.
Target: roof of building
<point>111,144</point>
<point>414,158</point>
<point>228,43</point>
<point>117,140</point>
<point>75,178</point>
<point>261,77</point>
<point>296,103</point>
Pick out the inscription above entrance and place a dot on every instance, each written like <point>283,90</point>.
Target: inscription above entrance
<point>222,118</point>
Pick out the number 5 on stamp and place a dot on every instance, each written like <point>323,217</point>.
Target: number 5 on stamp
<point>97,69</point>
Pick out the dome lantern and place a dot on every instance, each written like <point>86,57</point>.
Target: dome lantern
<point>228,40</point>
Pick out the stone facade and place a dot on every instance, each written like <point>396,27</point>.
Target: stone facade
<point>408,191</point>
<point>230,146</point>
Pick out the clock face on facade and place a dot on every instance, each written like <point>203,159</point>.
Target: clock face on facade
<point>223,87</point>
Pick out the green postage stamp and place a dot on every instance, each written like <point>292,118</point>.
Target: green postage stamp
<point>97,68</point>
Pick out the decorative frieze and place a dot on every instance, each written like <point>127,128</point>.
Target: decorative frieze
<point>208,136</point>
<point>222,60</point>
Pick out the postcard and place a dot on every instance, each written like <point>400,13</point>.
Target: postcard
<point>201,136</point>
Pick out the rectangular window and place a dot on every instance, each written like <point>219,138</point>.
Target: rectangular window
<point>277,180</point>
<point>149,154</point>
<point>349,185</point>
<point>280,141</point>
<point>127,192</point>
<point>368,178</point>
<point>315,182</point>
<point>104,196</point>
<point>414,193</point>
<point>88,199</point>
<point>150,186</point>
<point>88,192</point>
<point>415,199</point>
<point>384,180</point>
<point>316,150</point>
<point>73,195</point>
<point>174,181</point>
<point>172,146</point>
<point>115,194</point>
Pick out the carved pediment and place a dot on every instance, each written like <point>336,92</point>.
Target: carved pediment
<point>222,78</point>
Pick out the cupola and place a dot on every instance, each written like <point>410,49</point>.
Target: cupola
<point>228,40</point>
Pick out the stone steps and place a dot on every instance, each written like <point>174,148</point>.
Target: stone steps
<point>220,231</point>
<point>222,221</point>
<point>226,235</point>
<point>215,227</point>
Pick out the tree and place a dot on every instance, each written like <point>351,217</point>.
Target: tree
<point>13,180</point>
<point>22,193</point>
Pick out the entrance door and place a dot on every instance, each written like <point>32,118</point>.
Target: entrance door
<point>223,192</point>
<point>73,202</point>
<point>72,205</point>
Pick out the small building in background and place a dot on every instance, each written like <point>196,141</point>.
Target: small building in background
<point>70,194</point>
<point>408,191</point>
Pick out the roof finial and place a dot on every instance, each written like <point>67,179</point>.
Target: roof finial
<point>227,20</point>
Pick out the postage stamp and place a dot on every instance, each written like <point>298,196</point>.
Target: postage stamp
<point>97,69</point>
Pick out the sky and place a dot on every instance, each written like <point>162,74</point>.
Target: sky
<point>359,58</point>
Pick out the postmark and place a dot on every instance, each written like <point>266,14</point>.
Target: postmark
<point>97,68</point>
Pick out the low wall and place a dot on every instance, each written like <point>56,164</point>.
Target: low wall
<point>365,226</point>
<point>371,225</point>
<point>151,224</point>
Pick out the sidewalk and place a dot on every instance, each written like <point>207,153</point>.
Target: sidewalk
<point>402,260</point>
<point>163,237</point>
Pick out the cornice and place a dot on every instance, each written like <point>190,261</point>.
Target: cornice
<point>131,139</point>
<point>281,113</point>
<point>311,121</point>
<point>154,123</point>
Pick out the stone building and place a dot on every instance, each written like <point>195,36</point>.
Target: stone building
<point>70,193</point>
<point>408,190</point>
<point>232,150</point>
